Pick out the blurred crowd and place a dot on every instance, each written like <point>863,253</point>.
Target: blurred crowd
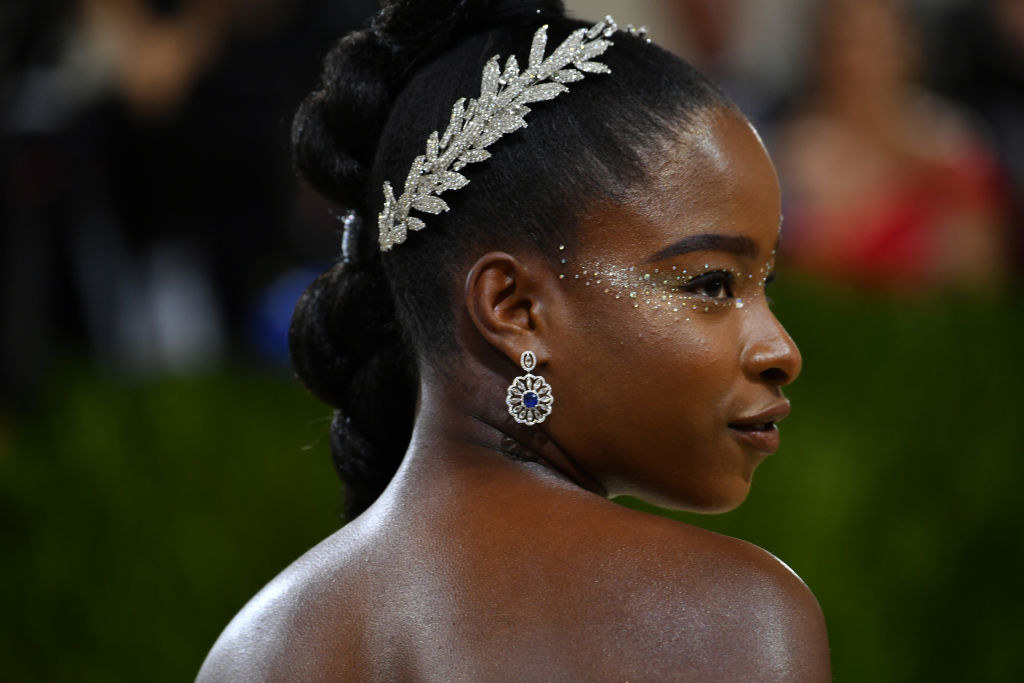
<point>150,214</point>
<point>896,125</point>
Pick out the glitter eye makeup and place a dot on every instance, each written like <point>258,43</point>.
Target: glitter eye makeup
<point>673,289</point>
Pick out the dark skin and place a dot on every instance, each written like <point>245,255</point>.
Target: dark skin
<point>495,553</point>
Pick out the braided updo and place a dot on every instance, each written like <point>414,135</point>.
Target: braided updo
<point>362,329</point>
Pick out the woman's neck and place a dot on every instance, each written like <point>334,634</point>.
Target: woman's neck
<point>453,433</point>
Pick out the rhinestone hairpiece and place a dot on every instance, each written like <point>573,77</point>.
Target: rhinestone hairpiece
<point>478,124</point>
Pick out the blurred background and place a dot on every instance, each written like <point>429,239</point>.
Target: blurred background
<point>158,463</point>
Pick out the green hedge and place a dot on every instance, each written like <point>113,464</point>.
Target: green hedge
<point>138,517</point>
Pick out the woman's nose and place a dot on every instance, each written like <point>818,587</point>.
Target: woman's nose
<point>771,355</point>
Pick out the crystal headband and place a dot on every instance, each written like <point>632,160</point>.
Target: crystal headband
<point>499,110</point>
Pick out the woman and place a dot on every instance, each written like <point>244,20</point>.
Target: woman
<point>586,320</point>
<point>889,186</point>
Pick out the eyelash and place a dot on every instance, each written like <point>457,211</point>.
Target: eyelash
<point>721,281</point>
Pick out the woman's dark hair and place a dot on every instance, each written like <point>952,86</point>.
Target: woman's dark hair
<point>360,329</point>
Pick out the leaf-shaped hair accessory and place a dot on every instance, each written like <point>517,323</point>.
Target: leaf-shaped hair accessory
<point>479,123</point>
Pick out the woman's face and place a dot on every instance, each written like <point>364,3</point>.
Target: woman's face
<point>666,360</point>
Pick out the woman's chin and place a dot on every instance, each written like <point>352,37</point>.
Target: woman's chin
<point>713,501</point>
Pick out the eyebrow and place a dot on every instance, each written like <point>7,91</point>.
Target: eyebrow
<point>732,244</point>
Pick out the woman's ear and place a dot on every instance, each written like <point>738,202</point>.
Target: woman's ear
<point>506,302</point>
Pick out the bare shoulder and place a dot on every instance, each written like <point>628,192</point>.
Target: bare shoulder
<point>289,629</point>
<point>739,612</point>
<point>562,588</point>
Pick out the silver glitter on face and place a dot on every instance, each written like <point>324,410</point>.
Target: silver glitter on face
<point>675,290</point>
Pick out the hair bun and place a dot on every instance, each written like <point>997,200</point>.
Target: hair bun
<point>335,130</point>
<point>342,321</point>
<point>346,347</point>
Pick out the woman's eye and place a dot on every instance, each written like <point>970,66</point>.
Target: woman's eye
<point>716,285</point>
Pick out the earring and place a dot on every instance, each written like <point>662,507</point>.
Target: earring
<point>529,396</point>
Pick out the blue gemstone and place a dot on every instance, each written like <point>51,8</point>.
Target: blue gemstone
<point>531,399</point>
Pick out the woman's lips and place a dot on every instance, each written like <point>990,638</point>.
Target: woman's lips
<point>763,438</point>
<point>759,431</point>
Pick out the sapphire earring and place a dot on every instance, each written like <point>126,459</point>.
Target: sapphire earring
<point>529,397</point>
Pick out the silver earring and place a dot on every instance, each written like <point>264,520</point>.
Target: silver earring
<point>529,396</point>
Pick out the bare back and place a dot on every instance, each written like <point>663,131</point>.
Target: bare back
<point>524,577</point>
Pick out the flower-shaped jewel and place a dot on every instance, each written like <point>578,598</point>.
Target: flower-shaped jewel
<point>529,396</point>
<point>529,399</point>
